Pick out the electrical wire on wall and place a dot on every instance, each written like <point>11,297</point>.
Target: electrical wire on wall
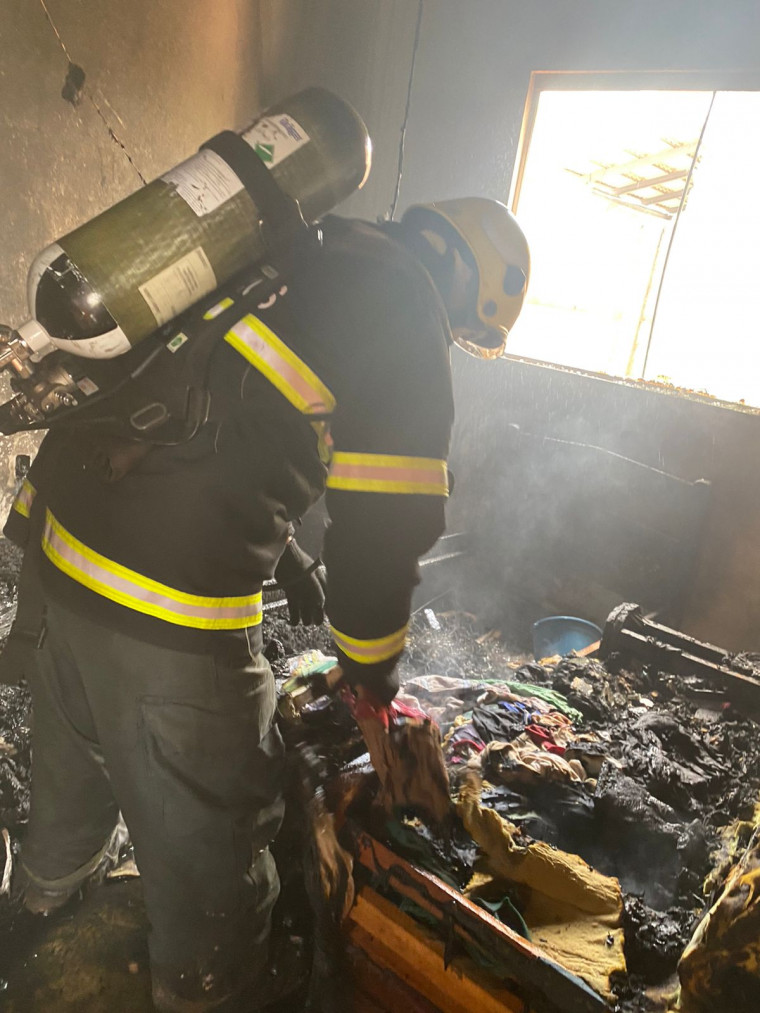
<point>415,47</point>
<point>681,205</point>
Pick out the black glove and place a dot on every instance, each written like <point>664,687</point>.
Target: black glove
<point>304,587</point>
<point>380,680</point>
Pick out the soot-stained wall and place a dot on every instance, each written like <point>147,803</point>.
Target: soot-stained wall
<point>554,526</point>
<point>159,79</point>
<point>557,526</point>
<point>582,491</point>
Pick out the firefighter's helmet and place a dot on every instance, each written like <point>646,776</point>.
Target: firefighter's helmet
<point>499,251</point>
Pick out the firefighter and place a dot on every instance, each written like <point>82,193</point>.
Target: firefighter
<point>151,693</point>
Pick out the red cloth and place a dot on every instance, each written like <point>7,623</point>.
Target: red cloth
<point>544,739</point>
<point>402,710</point>
<point>368,707</point>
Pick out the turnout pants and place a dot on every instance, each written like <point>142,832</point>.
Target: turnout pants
<point>184,745</point>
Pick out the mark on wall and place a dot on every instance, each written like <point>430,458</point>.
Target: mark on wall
<point>74,90</point>
<point>73,86</point>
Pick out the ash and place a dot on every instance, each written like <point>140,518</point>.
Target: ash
<point>15,755</point>
<point>681,768</point>
<point>461,648</point>
<point>680,771</point>
<point>15,708</point>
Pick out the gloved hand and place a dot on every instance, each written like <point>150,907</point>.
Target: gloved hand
<point>304,590</point>
<point>378,683</point>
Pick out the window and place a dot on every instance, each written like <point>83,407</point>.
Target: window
<point>644,229</point>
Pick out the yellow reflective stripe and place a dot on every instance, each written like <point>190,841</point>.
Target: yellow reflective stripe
<point>369,652</point>
<point>24,498</point>
<point>280,365</point>
<point>388,473</point>
<point>143,594</point>
<point>220,307</point>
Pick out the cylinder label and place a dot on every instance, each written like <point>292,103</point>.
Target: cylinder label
<point>273,138</point>
<point>104,346</point>
<point>204,182</point>
<point>178,286</point>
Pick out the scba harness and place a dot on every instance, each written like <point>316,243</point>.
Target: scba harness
<point>157,394</point>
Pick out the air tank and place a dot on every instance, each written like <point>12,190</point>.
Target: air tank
<point>103,288</point>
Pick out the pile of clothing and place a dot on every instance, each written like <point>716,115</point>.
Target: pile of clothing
<point>586,796</point>
<point>635,773</point>
<point>519,736</point>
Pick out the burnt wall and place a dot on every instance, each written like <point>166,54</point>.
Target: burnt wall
<point>557,526</point>
<point>581,491</point>
<point>158,80</point>
<point>543,514</point>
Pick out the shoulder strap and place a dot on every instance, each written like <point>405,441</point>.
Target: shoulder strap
<point>161,396</point>
<point>282,224</point>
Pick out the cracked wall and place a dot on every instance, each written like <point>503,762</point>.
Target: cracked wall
<point>95,98</point>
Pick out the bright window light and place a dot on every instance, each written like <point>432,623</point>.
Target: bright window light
<point>644,237</point>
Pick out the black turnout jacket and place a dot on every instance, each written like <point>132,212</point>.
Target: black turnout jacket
<point>336,383</point>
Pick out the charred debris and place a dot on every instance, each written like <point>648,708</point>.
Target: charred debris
<point>15,704</point>
<point>648,777</point>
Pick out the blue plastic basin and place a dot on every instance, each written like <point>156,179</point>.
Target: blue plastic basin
<point>562,634</point>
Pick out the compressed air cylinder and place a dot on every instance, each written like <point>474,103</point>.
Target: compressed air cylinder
<point>110,283</point>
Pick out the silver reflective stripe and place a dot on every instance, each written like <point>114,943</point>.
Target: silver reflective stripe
<point>24,498</point>
<point>141,593</point>
<point>280,365</point>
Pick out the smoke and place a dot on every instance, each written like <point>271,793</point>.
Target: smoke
<point>563,491</point>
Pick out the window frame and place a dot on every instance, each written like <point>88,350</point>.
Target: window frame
<point>614,80</point>
<point>714,80</point>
